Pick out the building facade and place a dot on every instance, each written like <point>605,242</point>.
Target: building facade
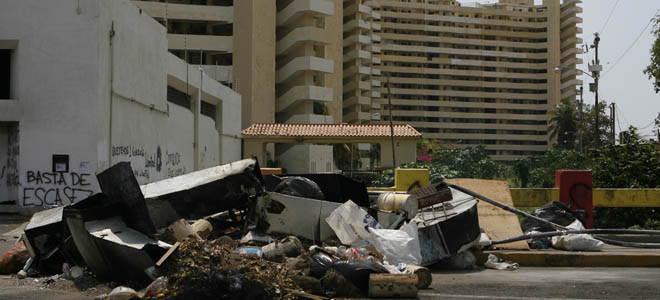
<point>91,83</point>
<point>479,75</point>
<point>465,74</point>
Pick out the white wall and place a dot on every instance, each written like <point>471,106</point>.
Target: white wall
<point>64,65</point>
<point>55,84</point>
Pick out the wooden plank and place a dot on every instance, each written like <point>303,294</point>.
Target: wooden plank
<point>392,285</point>
<point>496,222</point>
<point>167,254</point>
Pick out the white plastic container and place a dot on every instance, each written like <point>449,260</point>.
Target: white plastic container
<point>399,202</point>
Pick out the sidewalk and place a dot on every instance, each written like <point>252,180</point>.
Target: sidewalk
<point>611,256</point>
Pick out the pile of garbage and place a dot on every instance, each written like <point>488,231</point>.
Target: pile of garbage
<point>230,232</point>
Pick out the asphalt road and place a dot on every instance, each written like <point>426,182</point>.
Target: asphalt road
<point>525,283</point>
<point>546,284</point>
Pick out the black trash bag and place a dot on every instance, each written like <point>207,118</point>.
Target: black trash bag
<point>556,212</point>
<point>299,187</point>
<point>319,264</point>
<point>357,272</point>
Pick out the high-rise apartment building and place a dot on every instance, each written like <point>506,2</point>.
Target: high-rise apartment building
<point>466,74</point>
<point>485,74</point>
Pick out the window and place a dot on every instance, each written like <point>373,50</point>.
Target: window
<point>5,73</point>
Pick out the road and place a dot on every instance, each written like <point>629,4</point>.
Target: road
<point>546,284</point>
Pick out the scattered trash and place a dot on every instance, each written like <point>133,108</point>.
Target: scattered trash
<point>398,246</point>
<point>447,229</point>
<point>278,251</point>
<point>158,286</point>
<point>122,293</point>
<point>349,222</point>
<point>14,259</point>
<point>423,274</point>
<point>577,242</point>
<point>398,202</point>
<point>461,261</point>
<point>299,187</point>
<point>251,251</point>
<point>392,286</point>
<point>255,237</point>
<point>495,263</point>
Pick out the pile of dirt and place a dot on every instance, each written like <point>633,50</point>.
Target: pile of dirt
<point>210,270</point>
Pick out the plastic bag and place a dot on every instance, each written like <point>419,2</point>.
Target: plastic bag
<point>398,246</point>
<point>349,221</point>
<point>556,212</point>
<point>299,187</point>
<point>357,271</point>
<point>495,263</point>
<point>122,293</point>
<point>577,242</point>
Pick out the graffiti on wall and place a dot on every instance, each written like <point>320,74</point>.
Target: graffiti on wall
<point>56,189</point>
<point>10,169</point>
<point>148,165</point>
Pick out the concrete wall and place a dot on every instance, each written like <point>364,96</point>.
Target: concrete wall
<point>56,82</point>
<point>254,59</point>
<point>77,92</point>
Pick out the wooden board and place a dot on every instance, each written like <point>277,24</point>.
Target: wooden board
<point>496,222</point>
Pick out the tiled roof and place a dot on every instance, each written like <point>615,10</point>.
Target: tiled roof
<point>328,130</point>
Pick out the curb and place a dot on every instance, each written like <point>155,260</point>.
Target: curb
<point>551,258</point>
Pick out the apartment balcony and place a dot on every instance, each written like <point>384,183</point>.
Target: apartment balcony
<point>303,64</point>
<point>375,26</point>
<point>375,60</point>
<point>571,51</point>
<point>375,83</point>
<point>356,100</point>
<point>572,21</point>
<point>354,8</point>
<point>219,73</point>
<point>357,38</point>
<point>298,8</point>
<point>571,42</point>
<point>303,93</point>
<point>376,15</point>
<point>375,38</point>
<point>187,12</point>
<point>375,71</point>
<point>569,12</point>
<point>357,23</point>
<point>373,48</point>
<point>570,83</point>
<point>213,43</point>
<point>300,36</point>
<point>357,54</point>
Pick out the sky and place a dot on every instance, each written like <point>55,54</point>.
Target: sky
<point>624,83</point>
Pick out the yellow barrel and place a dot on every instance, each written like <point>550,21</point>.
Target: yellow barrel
<point>398,202</point>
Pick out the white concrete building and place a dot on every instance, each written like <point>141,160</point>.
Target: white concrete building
<point>86,84</point>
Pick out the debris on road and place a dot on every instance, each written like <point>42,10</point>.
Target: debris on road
<point>495,263</point>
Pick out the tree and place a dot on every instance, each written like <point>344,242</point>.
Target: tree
<point>588,124</point>
<point>563,125</point>
<point>653,69</point>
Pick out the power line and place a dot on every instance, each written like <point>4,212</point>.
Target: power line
<point>609,17</point>
<point>633,43</point>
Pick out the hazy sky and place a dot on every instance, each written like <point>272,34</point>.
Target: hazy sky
<point>623,83</point>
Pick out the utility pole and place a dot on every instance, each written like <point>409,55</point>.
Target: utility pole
<point>581,118</point>
<point>389,102</point>
<point>613,117</point>
<point>595,69</point>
